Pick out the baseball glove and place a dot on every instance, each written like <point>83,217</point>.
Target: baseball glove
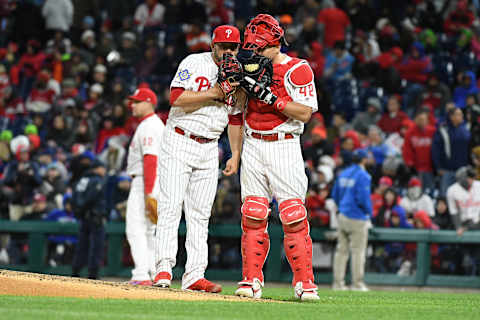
<point>230,71</point>
<point>258,77</point>
<point>151,209</point>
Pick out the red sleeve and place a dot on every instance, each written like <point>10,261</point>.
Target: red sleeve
<point>235,119</point>
<point>149,172</point>
<point>175,92</point>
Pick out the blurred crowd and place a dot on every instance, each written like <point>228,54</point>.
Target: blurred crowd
<point>396,78</point>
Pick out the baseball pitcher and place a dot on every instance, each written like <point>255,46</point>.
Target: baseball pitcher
<point>143,155</point>
<point>282,97</point>
<point>204,101</point>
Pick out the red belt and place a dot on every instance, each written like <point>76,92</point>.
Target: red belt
<point>270,137</point>
<point>193,137</point>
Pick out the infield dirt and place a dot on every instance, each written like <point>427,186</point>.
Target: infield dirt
<point>33,284</point>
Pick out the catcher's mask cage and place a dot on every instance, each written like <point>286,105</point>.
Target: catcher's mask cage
<point>262,31</point>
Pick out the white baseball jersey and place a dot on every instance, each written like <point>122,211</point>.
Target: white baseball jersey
<point>146,140</point>
<point>424,203</point>
<point>139,230</point>
<point>198,72</point>
<point>466,203</point>
<point>276,168</point>
<point>305,94</point>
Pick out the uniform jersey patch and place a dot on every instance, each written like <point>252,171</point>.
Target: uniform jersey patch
<point>184,75</point>
<point>301,76</point>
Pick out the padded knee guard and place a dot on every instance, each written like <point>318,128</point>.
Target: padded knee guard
<point>297,241</point>
<point>255,240</point>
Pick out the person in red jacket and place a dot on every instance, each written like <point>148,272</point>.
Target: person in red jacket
<point>334,22</point>
<point>417,148</point>
<point>416,66</point>
<point>461,17</point>
<point>391,121</point>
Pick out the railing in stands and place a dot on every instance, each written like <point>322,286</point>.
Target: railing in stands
<point>38,231</point>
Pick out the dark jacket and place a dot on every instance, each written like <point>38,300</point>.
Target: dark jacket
<point>88,199</point>
<point>450,148</point>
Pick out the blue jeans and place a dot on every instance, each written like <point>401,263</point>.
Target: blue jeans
<point>428,182</point>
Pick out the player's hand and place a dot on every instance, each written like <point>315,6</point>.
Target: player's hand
<point>460,231</point>
<point>151,209</point>
<point>231,166</point>
<point>259,91</point>
<point>216,93</point>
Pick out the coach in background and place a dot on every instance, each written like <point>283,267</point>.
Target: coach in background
<point>351,193</point>
<point>89,205</point>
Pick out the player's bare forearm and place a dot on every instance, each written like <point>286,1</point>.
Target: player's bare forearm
<point>298,111</point>
<point>235,137</point>
<point>189,100</point>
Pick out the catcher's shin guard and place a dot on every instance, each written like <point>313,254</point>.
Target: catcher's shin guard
<point>255,240</point>
<point>297,241</point>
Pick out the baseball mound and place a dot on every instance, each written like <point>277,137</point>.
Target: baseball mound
<point>33,284</point>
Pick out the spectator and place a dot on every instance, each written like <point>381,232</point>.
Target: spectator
<point>463,198</point>
<point>335,23</point>
<point>435,94</point>
<point>53,186</point>
<point>369,117</point>
<point>450,148</point>
<point>390,205</point>
<point>149,14</point>
<point>417,149</point>
<point>472,115</point>
<point>197,39</point>
<point>377,149</point>
<point>338,65</point>
<point>61,247</point>
<point>461,17</point>
<point>362,15</point>
<point>476,161</point>
<point>392,120</point>
<point>41,97</point>
<point>320,146</point>
<point>416,199</point>
<point>58,15</point>
<point>467,87</point>
<point>40,208</point>
<point>120,197</point>
<point>442,216</point>
<point>416,66</point>
<point>384,183</point>
<point>308,8</point>
<point>59,133</point>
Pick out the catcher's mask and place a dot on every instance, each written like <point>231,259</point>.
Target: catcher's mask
<point>262,31</point>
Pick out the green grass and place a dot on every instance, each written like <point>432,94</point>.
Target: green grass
<point>333,305</point>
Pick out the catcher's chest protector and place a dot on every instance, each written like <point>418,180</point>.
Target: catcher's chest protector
<point>261,116</point>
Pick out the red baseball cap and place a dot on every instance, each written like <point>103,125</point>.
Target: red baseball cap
<point>386,181</point>
<point>226,33</point>
<point>144,94</point>
<point>414,182</point>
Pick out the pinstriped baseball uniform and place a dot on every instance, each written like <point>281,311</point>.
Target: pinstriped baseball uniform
<point>188,171</point>
<point>139,229</point>
<point>276,168</point>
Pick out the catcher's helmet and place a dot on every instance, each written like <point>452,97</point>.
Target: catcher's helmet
<point>263,30</point>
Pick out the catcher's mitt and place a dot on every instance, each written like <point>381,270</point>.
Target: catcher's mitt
<point>151,209</point>
<point>230,71</point>
<point>258,77</point>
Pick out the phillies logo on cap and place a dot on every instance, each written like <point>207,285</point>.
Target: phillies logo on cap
<point>228,32</point>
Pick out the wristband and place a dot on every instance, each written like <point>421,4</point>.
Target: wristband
<point>280,104</point>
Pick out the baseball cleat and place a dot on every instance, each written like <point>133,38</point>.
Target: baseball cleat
<point>204,285</point>
<point>163,280</point>
<point>250,289</point>
<point>306,291</point>
<point>140,282</point>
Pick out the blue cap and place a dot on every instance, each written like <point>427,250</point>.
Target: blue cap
<point>360,154</point>
<point>88,154</point>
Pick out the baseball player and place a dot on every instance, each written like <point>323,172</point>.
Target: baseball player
<point>272,163</point>
<point>143,155</point>
<point>188,169</point>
